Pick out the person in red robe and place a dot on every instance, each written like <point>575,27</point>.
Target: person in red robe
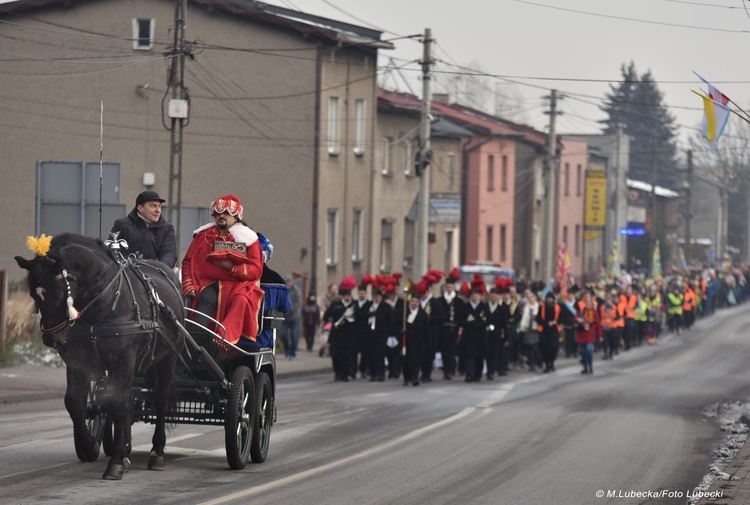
<point>222,268</point>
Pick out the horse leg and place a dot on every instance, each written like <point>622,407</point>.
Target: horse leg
<point>163,378</point>
<point>77,389</point>
<point>120,408</point>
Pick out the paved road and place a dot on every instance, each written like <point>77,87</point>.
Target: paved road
<point>635,426</point>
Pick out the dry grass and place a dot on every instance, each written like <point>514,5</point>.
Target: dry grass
<point>19,324</point>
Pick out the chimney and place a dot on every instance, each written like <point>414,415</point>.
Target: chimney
<point>441,98</point>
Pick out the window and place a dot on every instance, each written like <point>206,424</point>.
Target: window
<point>408,160</point>
<point>68,195</point>
<point>385,167</point>
<point>143,34</point>
<point>357,223</point>
<point>565,235</point>
<point>490,238</point>
<point>386,252</point>
<point>359,127</point>
<point>334,126</point>
<point>576,246</point>
<point>490,173</point>
<point>567,179</point>
<point>451,172</point>
<point>448,251</point>
<point>409,235</point>
<point>332,232</point>
<point>579,187</point>
<point>503,243</point>
<point>504,174</point>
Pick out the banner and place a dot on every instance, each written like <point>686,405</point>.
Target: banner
<point>595,204</point>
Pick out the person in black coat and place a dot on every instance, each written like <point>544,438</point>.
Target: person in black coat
<point>416,338</point>
<point>394,342</point>
<point>360,359</point>
<point>343,337</point>
<point>498,314</point>
<point>379,325</point>
<point>434,316</point>
<point>147,232</point>
<point>474,335</point>
<point>449,307</point>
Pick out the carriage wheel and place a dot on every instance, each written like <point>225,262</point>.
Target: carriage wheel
<point>238,426</point>
<point>264,416</point>
<point>95,420</point>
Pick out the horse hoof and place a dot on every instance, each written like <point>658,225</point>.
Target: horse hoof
<point>125,464</point>
<point>155,462</point>
<point>114,472</point>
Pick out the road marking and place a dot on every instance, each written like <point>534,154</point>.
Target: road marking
<point>170,441</point>
<point>364,454</point>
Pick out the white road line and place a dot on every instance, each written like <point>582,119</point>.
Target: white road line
<point>314,471</point>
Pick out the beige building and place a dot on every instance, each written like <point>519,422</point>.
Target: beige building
<point>396,187</point>
<point>281,113</point>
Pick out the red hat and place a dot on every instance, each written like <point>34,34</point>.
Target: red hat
<point>347,284</point>
<point>367,280</point>
<point>453,276</point>
<point>503,284</point>
<point>421,288</point>
<point>229,204</point>
<point>477,282</point>
<point>465,289</point>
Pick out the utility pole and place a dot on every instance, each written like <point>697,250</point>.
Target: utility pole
<point>551,192</point>
<point>652,217</point>
<point>177,112</point>
<point>423,162</point>
<point>689,205</point>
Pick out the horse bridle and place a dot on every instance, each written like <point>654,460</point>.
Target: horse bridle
<point>71,312</point>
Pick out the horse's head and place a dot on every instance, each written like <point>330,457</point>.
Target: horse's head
<point>53,291</point>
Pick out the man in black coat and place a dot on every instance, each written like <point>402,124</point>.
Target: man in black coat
<point>416,338</point>
<point>449,308</point>
<point>379,325</point>
<point>429,306</point>
<point>360,358</point>
<point>342,339</point>
<point>396,335</point>
<point>147,232</point>
<point>498,314</point>
<point>474,335</point>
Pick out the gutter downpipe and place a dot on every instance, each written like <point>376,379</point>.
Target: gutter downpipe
<point>316,174</point>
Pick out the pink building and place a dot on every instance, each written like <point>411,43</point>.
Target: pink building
<point>570,199</point>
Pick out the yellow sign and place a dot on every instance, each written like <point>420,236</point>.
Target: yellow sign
<point>595,204</point>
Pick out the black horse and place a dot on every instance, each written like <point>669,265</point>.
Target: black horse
<point>108,316</point>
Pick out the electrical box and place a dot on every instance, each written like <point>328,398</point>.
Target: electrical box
<point>178,109</point>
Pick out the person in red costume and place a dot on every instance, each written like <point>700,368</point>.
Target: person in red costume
<point>222,268</point>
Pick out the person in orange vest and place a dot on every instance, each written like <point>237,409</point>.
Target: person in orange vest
<point>619,324</point>
<point>629,300</point>
<point>609,317</point>
<point>548,319</point>
<point>688,306</point>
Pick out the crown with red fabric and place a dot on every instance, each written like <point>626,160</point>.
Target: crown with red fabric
<point>477,282</point>
<point>229,204</point>
<point>503,284</point>
<point>454,276</point>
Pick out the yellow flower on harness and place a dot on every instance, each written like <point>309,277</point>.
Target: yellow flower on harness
<point>39,246</point>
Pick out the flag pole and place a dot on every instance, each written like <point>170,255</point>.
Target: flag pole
<point>101,162</point>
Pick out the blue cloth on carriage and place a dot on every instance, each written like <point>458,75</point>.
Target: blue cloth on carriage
<point>276,298</point>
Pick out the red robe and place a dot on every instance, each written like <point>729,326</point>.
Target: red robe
<point>239,289</point>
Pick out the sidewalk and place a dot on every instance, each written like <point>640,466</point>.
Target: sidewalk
<point>24,383</point>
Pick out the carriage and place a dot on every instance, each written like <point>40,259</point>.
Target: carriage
<point>245,404</point>
<point>192,374</point>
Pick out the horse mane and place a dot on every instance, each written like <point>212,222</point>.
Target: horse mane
<point>64,240</point>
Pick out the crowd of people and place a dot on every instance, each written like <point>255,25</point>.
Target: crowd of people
<point>376,329</point>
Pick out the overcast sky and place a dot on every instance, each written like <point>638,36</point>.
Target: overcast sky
<point>574,46</point>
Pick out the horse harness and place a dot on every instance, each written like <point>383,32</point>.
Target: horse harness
<point>118,327</point>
